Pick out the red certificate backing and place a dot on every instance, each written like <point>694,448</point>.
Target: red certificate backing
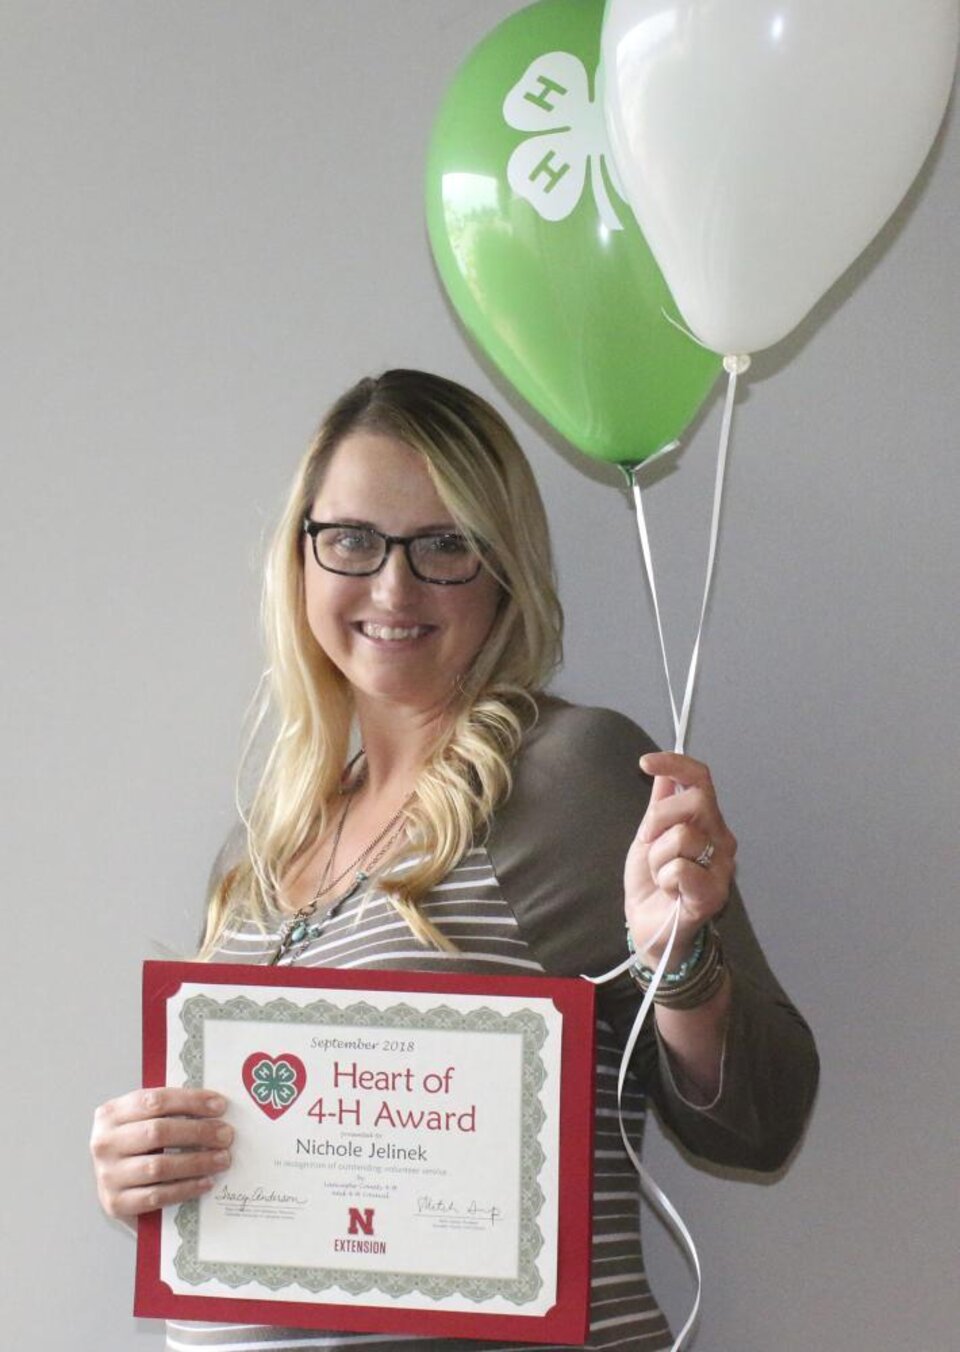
<point>566,1322</point>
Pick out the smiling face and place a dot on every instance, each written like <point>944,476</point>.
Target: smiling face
<point>394,638</point>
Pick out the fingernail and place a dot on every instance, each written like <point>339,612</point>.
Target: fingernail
<point>204,1184</point>
<point>216,1103</point>
<point>221,1159</point>
<point>224,1135</point>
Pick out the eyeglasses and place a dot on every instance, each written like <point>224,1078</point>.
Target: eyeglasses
<point>445,558</point>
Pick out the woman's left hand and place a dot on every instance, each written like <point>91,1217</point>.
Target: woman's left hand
<point>683,850</point>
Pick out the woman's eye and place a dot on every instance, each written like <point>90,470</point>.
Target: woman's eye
<point>449,545</point>
<point>353,541</point>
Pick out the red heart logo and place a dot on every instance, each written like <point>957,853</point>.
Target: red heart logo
<point>274,1082</point>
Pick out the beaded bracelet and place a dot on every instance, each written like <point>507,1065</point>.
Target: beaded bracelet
<point>680,973</point>
<point>701,987</point>
<point>702,975</point>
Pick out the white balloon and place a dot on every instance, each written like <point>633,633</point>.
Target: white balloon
<point>763,143</point>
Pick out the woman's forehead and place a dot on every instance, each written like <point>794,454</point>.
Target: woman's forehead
<point>372,474</point>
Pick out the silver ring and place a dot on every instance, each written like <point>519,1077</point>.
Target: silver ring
<point>706,854</point>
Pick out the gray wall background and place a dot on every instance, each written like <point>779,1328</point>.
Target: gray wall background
<point>211,224</point>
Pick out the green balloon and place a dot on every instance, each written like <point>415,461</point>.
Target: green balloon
<point>540,253</point>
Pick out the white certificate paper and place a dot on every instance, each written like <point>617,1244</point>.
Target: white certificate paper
<point>396,1149</point>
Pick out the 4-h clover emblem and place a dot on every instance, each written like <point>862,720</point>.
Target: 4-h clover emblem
<point>274,1083</point>
<point>549,168</point>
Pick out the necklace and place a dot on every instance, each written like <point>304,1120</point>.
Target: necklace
<point>326,883</point>
<point>300,927</point>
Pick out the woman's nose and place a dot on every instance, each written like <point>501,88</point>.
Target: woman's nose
<point>395,583</point>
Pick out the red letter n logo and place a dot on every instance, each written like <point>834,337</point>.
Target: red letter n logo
<point>360,1221</point>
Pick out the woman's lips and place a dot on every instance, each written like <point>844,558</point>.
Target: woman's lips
<point>393,633</point>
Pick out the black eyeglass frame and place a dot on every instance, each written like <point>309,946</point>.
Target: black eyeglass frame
<point>313,529</point>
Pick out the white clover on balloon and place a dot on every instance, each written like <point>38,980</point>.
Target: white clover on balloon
<point>549,169</point>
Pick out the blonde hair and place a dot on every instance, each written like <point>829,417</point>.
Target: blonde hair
<point>483,478</point>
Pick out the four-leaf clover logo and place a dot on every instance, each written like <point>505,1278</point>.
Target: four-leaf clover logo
<point>549,168</point>
<point>274,1083</point>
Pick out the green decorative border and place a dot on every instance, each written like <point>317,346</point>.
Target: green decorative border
<point>520,1290</point>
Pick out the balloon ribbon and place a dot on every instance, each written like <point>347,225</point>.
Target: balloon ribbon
<point>681,713</point>
<point>653,1193</point>
<point>651,1190</point>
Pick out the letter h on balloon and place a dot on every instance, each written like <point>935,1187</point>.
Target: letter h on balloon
<point>547,87</point>
<point>546,170</point>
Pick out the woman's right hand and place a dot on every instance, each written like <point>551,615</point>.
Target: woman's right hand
<point>157,1147</point>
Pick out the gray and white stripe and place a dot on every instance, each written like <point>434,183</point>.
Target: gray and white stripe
<point>469,906</point>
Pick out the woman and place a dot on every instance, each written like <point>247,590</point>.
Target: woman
<point>482,826</point>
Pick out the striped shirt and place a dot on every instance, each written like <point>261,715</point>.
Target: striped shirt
<point>543,894</point>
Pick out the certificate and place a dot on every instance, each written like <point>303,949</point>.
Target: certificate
<point>400,1144</point>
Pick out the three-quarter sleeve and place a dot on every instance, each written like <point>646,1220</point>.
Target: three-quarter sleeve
<point>558,847</point>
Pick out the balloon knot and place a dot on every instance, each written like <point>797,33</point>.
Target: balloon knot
<point>735,365</point>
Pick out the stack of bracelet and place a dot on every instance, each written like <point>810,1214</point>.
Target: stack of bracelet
<point>694,982</point>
